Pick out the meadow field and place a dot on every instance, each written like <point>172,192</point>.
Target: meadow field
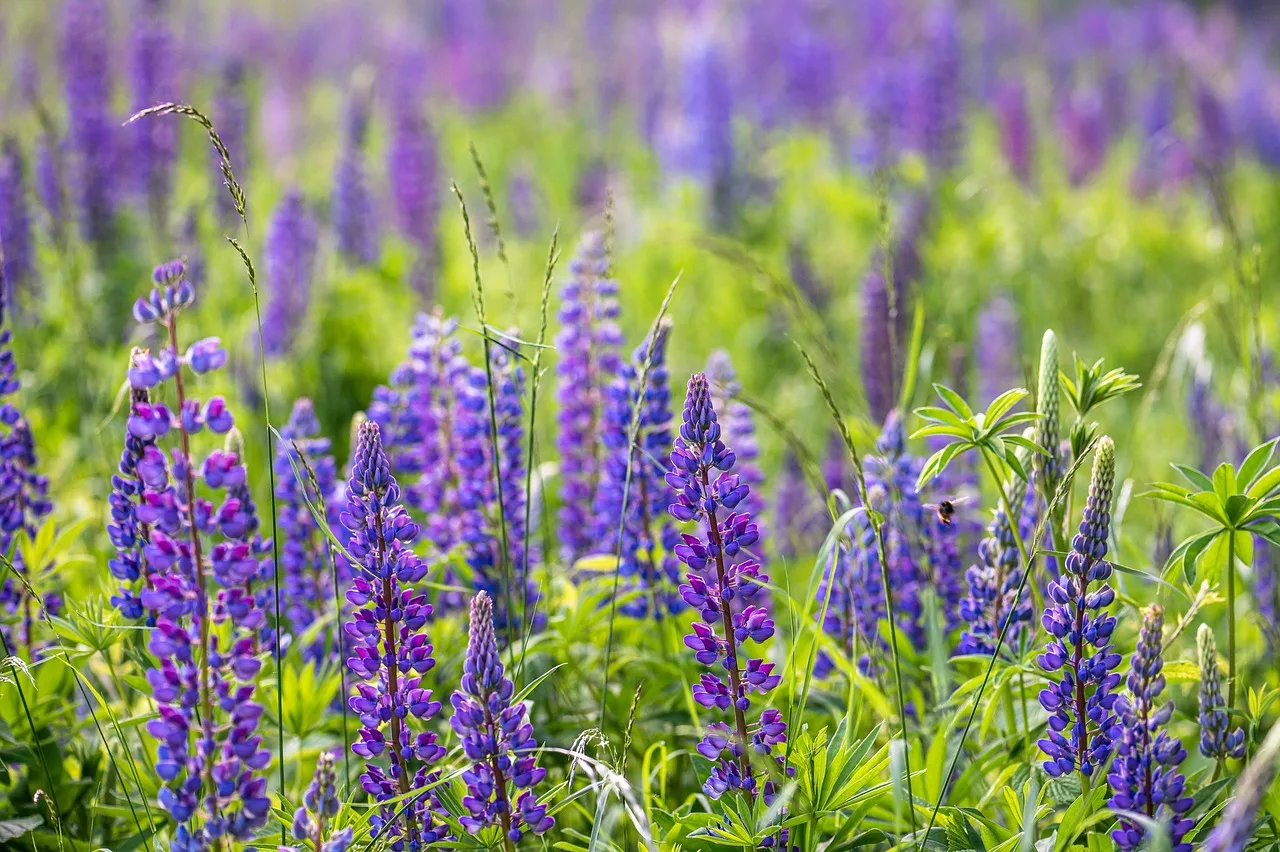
<point>610,425</point>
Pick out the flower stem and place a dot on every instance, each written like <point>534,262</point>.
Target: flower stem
<point>1231,620</point>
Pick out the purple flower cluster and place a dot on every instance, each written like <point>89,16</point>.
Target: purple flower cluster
<point>127,532</point>
<point>152,59</point>
<point>853,591</point>
<point>354,216</point>
<point>24,502</point>
<point>412,168</point>
<point>649,576</point>
<point>993,584</point>
<point>722,591</point>
<point>290,260</point>
<point>307,578</point>
<point>16,250</point>
<point>588,344</point>
<point>1217,740</point>
<point>391,651</point>
<point>320,804</point>
<point>86,65</point>
<point>209,756</point>
<point>231,117</point>
<point>1080,705</point>
<point>1144,776</point>
<point>738,428</point>
<point>497,737</point>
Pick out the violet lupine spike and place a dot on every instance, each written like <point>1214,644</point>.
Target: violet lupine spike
<point>993,587</point>
<point>412,166</point>
<point>24,501</point>
<point>231,117</point>
<point>1266,591</point>
<point>1083,129</point>
<point>997,348</point>
<point>1144,776</point>
<point>700,142</point>
<point>91,129</point>
<point>50,183</point>
<point>738,427</point>
<point>1217,740</point>
<point>878,364</point>
<point>942,81</point>
<point>209,758</point>
<point>1235,827</point>
<point>1215,142</point>
<point>497,737</point>
<point>391,651</point>
<point>290,266</point>
<point>589,363</point>
<point>800,514</point>
<point>307,575</point>
<point>855,602</point>
<point>652,574</point>
<point>354,216</point>
<point>153,64</point>
<point>128,534</point>
<point>1081,704</point>
<point>722,593</point>
<point>1017,129</point>
<point>320,804</point>
<point>16,250</point>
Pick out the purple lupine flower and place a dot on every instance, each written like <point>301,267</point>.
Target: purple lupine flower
<point>1266,591</point>
<point>290,265</point>
<point>522,201</point>
<point>209,757</point>
<point>391,651</point>
<point>700,133</point>
<point>307,581</point>
<point>153,62</point>
<point>1235,826</point>
<point>128,534</point>
<point>1017,130</point>
<point>15,221</point>
<point>993,586</point>
<point>738,428</point>
<point>634,472</point>
<point>1217,740</point>
<point>1081,704</point>
<point>24,501</point>
<point>1144,776</point>
<point>320,804</point>
<point>997,348</point>
<point>90,126</point>
<point>1256,115</point>
<point>1210,419</point>
<point>50,185</point>
<point>853,590</point>
<point>800,514</point>
<point>231,117</point>
<point>1215,142</point>
<point>412,166</point>
<point>354,216</point>
<point>942,80</point>
<point>879,349</point>
<point>722,592</point>
<point>497,737</point>
<point>588,344</point>
<point>1082,127</point>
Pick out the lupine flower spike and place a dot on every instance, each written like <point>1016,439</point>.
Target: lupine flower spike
<point>994,583</point>
<point>1216,740</point>
<point>1081,704</point>
<point>1235,826</point>
<point>392,651</point>
<point>312,821</point>
<point>1144,775</point>
<point>497,736</point>
<point>722,591</point>
<point>209,757</point>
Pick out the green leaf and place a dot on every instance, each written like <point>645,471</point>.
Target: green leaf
<point>1002,404</point>
<point>1256,462</point>
<point>1265,484</point>
<point>941,415</point>
<point>1237,509</point>
<point>12,829</point>
<point>954,401</point>
<point>1181,671</point>
<point>1211,563</point>
<point>1195,477</point>
<point>1025,443</point>
<point>1224,481</point>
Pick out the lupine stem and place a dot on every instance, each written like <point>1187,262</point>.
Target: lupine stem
<point>1231,619</point>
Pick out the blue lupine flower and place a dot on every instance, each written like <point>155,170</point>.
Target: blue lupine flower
<point>1217,740</point>
<point>588,344</point>
<point>153,62</point>
<point>391,650</point>
<point>16,250</point>
<point>497,737</point>
<point>90,126</point>
<point>354,216</point>
<point>993,585</point>
<point>1081,704</point>
<point>1144,776</point>
<point>320,804</point>
<point>290,265</point>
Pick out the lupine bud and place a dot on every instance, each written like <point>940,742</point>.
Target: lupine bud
<point>1216,739</point>
<point>1047,468</point>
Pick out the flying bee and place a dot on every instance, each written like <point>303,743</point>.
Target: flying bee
<point>946,509</point>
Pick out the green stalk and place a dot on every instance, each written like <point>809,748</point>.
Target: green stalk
<point>1231,619</point>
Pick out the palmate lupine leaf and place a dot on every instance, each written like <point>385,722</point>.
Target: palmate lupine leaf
<point>1091,387</point>
<point>987,430</point>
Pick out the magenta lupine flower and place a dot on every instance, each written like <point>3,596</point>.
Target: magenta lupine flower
<point>723,593</point>
<point>290,265</point>
<point>497,737</point>
<point>1144,776</point>
<point>392,651</point>
<point>91,129</point>
<point>16,250</point>
<point>307,574</point>
<point>1081,704</point>
<point>651,575</point>
<point>24,501</point>
<point>154,63</point>
<point>587,344</point>
<point>209,756</point>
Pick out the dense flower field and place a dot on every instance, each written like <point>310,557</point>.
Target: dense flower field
<point>612,425</point>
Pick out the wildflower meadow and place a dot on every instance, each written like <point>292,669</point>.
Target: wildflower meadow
<point>603,425</point>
